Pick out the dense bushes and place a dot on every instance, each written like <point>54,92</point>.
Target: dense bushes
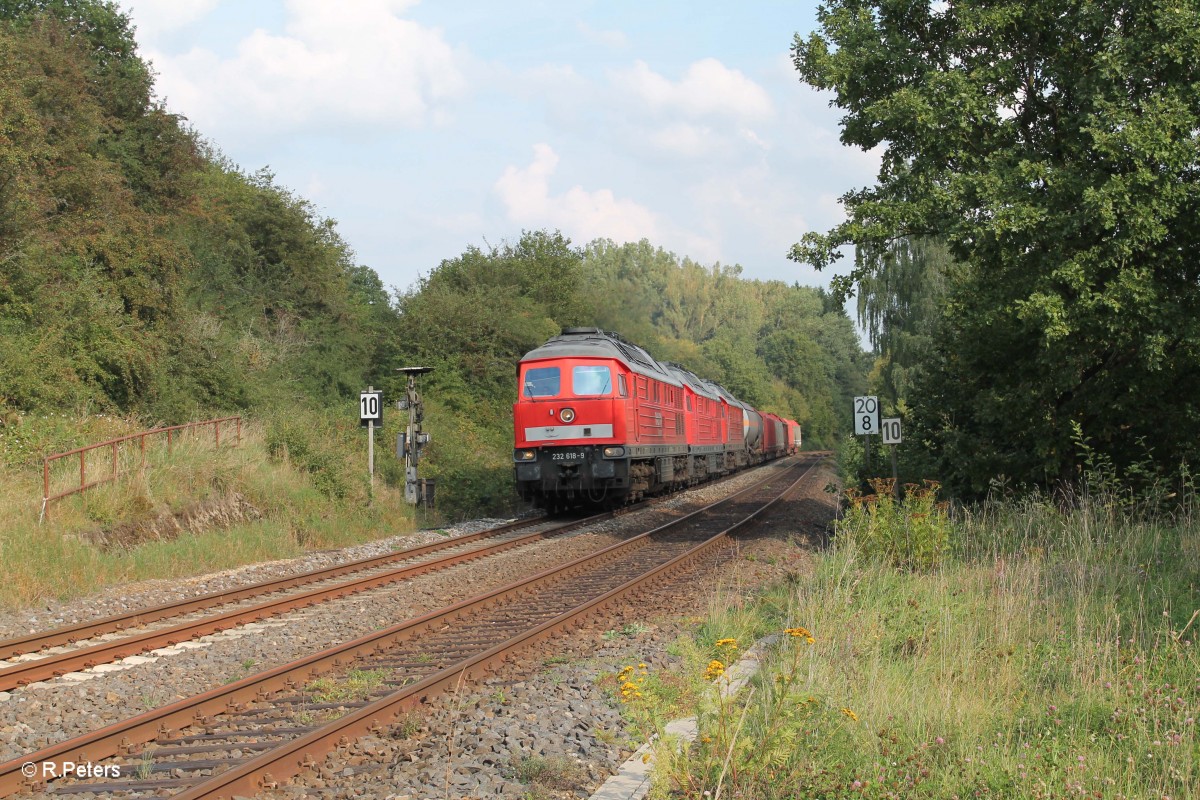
<point>908,532</point>
<point>141,273</point>
<point>315,443</point>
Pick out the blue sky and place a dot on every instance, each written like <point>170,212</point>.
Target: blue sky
<point>423,128</point>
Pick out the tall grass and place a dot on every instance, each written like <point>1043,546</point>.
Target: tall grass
<point>109,535</point>
<point>1051,654</point>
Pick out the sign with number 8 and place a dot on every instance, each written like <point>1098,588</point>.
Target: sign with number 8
<point>866,416</point>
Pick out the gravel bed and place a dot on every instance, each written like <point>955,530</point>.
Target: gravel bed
<point>271,597</point>
<point>118,599</point>
<point>552,708</point>
<point>468,747</point>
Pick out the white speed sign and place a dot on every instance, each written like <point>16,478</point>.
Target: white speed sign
<point>370,408</point>
<point>866,416</point>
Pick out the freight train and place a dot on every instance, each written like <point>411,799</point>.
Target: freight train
<point>599,422</point>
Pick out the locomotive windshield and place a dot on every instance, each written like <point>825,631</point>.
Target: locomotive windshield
<point>541,382</point>
<point>591,381</point>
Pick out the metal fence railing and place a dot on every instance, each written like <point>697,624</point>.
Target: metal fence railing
<point>111,463</point>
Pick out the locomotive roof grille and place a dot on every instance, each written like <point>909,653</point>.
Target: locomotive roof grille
<point>694,381</point>
<point>724,393</point>
<point>637,354</point>
<point>575,339</point>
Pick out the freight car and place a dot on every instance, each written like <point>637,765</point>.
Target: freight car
<point>600,422</point>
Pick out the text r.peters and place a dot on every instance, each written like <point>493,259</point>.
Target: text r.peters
<point>48,770</point>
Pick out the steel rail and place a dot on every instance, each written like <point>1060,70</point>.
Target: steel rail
<point>143,616</point>
<point>125,737</point>
<point>290,758</point>
<point>59,664</point>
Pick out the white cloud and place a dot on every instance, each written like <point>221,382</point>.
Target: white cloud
<point>336,65</point>
<point>586,215</point>
<point>315,188</point>
<point>684,139</point>
<point>711,112</point>
<point>707,89</point>
<point>753,138</point>
<point>153,18</point>
<point>582,214</point>
<point>614,39</point>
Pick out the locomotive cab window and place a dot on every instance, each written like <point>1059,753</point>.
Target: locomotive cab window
<point>621,387</point>
<point>542,382</point>
<point>591,381</point>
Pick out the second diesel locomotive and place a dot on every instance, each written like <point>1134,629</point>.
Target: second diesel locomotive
<point>598,421</point>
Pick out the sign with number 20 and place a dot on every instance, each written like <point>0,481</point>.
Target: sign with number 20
<point>866,416</point>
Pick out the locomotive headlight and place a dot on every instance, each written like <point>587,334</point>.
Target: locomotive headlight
<point>525,455</point>
<point>567,415</point>
<point>614,452</point>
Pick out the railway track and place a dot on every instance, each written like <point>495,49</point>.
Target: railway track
<point>53,653</point>
<point>256,732</point>
<point>25,660</point>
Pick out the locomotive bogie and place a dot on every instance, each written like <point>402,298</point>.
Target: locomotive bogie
<point>564,475</point>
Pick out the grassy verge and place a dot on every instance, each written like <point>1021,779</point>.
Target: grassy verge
<point>289,487</point>
<point>1045,654</point>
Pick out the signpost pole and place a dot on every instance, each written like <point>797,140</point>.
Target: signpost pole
<point>370,414</point>
<point>371,447</point>
<point>890,428</point>
<point>371,454</point>
<point>895,475</point>
<point>866,423</point>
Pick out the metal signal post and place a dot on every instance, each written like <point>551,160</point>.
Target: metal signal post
<point>413,440</point>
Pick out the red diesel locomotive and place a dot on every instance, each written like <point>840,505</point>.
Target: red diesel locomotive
<point>598,421</point>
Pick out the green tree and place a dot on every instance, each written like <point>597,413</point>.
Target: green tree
<point>471,319</point>
<point>86,279</point>
<point>141,273</point>
<point>1051,144</point>
<point>900,298</point>
<point>786,349</point>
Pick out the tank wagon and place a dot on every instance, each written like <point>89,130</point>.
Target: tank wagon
<point>598,421</point>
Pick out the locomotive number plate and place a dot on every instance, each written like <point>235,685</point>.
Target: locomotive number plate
<point>571,456</point>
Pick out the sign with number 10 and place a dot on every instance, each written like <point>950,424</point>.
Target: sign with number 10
<point>866,416</point>
<point>370,409</point>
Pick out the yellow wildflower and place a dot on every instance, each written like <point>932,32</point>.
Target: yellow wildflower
<point>631,680</point>
<point>850,714</point>
<point>800,633</point>
<point>715,670</point>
